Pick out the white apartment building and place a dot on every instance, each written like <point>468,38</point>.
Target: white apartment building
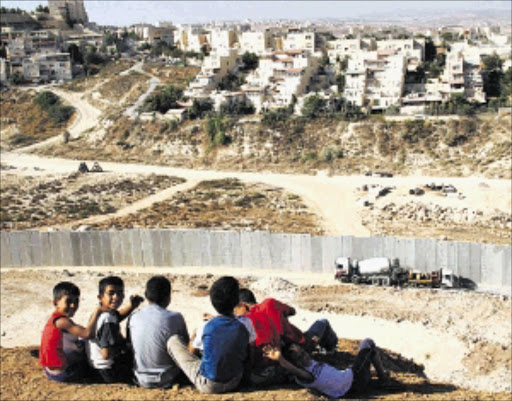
<point>191,38</point>
<point>48,67</point>
<point>341,48</point>
<point>453,73</point>
<point>222,39</point>
<point>299,41</point>
<point>375,79</point>
<point>412,49</point>
<point>279,77</point>
<point>4,70</point>
<point>259,43</point>
<point>215,66</point>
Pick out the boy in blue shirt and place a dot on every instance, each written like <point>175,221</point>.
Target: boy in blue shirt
<point>225,340</point>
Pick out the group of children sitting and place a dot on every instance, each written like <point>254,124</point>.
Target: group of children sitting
<point>247,343</point>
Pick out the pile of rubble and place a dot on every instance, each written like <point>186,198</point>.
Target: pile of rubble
<point>421,212</point>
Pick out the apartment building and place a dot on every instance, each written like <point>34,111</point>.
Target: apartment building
<point>341,48</point>
<point>191,38</point>
<point>47,67</point>
<point>279,77</point>
<point>222,39</point>
<point>259,43</point>
<point>412,49</point>
<point>296,40</point>
<point>4,70</point>
<point>215,66</point>
<point>375,79</point>
<point>453,73</point>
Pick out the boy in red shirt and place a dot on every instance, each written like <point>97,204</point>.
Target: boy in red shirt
<point>62,353</point>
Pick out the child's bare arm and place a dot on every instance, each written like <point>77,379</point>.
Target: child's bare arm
<point>135,301</point>
<point>65,323</point>
<point>275,354</point>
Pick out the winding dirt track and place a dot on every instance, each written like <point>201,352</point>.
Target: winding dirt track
<point>333,199</point>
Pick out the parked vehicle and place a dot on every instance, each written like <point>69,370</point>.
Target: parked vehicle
<point>379,271</point>
<point>387,272</point>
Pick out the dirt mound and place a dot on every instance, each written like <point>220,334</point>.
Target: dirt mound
<point>274,287</point>
<point>23,379</point>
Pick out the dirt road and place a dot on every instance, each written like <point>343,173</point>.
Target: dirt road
<point>332,198</point>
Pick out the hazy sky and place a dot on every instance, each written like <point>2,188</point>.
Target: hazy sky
<point>127,12</point>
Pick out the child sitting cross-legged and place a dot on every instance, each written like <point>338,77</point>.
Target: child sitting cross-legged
<point>325,378</point>
<point>62,352</point>
<point>107,350</point>
<point>225,342</point>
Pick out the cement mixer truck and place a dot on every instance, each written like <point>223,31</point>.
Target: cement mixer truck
<point>376,271</point>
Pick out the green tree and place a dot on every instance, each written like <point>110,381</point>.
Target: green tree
<point>313,107</point>
<point>199,108</point>
<point>340,81</point>
<point>492,73</point>
<point>42,9</point>
<point>17,79</point>
<point>430,50</point>
<point>250,60</point>
<point>75,54</point>
<point>163,100</point>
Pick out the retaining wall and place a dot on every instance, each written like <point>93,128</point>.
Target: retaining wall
<point>485,265</point>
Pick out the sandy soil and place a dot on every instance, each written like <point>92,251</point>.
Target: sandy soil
<point>442,345</point>
<point>333,199</point>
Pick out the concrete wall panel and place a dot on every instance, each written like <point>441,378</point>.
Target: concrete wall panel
<point>5,249</point>
<point>158,258</point>
<point>56,248</point>
<point>331,249</point>
<point>136,248</point>
<point>97,251</point>
<point>316,260</point>
<point>86,249</point>
<point>506,273</point>
<point>116,246</point>
<point>475,262</point>
<point>442,255</point>
<point>347,247</point>
<point>205,248</point>
<point>421,254</point>
<point>66,247</point>
<point>75,247</point>
<point>34,247</point>
<point>147,247</point>
<point>463,259</point>
<point>389,247</point>
<point>106,241</point>
<point>492,258</point>
<point>165,248</point>
<point>265,249</point>
<point>250,247</point>
<point>280,251</point>
<point>176,248</point>
<point>46,252</point>
<point>452,256</point>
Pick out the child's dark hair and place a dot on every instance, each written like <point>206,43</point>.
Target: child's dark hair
<point>158,288</point>
<point>224,295</point>
<point>110,280</point>
<point>247,296</point>
<point>65,288</point>
<point>291,355</point>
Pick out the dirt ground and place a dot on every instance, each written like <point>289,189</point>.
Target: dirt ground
<point>475,328</point>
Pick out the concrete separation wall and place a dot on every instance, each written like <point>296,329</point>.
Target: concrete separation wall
<point>482,264</point>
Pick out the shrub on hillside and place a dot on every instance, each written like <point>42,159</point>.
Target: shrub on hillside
<point>50,102</point>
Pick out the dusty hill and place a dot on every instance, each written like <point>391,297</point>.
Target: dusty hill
<point>23,122</point>
<point>451,148</point>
